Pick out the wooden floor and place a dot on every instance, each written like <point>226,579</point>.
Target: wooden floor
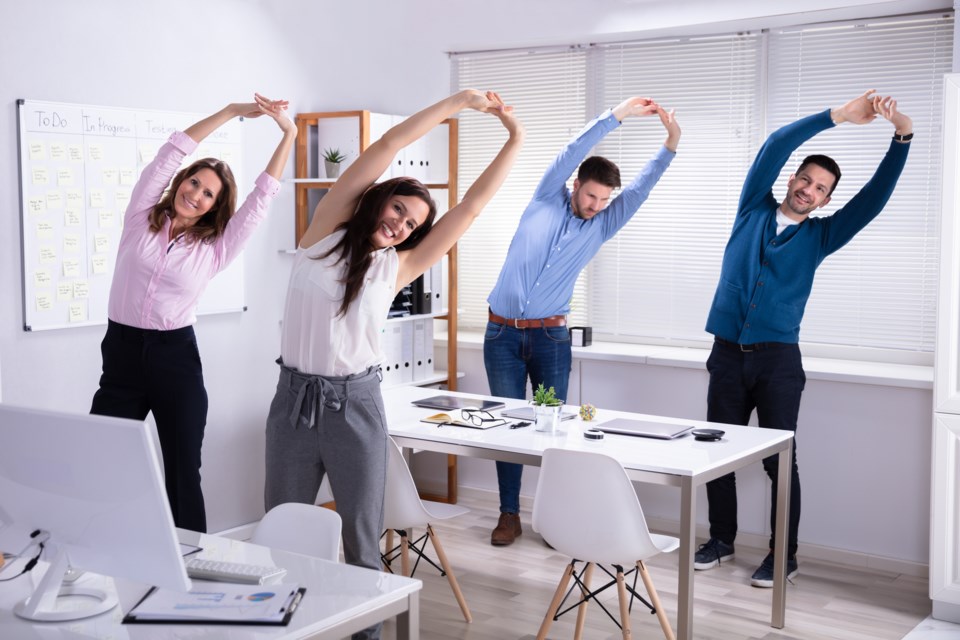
<point>508,590</point>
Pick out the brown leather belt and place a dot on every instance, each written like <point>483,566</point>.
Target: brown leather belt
<point>532,323</point>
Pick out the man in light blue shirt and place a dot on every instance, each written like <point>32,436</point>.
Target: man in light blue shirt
<point>559,233</point>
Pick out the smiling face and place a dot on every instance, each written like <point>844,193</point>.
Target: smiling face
<point>589,199</point>
<point>196,195</point>
<point>399,218</point>
<point>807,190</point>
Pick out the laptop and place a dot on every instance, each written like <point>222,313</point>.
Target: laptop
<point>526,413</point>
<point>645,428</point>
<point>450,403</point>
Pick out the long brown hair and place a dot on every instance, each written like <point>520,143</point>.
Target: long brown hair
<point>354,246</point>
<point>211,225</point>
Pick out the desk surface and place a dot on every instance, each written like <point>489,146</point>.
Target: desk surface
<point>683,456</point>
<point>339,597</point>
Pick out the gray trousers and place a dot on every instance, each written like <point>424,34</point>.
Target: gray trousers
<point>336,425</point>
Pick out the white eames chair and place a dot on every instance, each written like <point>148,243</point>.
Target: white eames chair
<point>301,528</point>
<point>404,510</point>
<point>586,508</point>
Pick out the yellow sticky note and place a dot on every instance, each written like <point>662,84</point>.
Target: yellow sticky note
<point>44,302</point>
<point>47,254</point>
<point>110,176</point>
<point>99,264</point>
<point>71,243</point>
<point>44,230</point>
<point>37,151</point>
<point>54,200</point>
<point>97,199</point>
<point>77,313</point>
<point>127,176</point>
<point>75,153</point>
<point>64,291</point>
<point>37,204</point>
<point>74,199</point>
<point>40,175</point>
<point>106,219</point>
<point>96,152</point>
<point>71,218</point>
<point>101,243</point>
<point>122,198</point>
<point>64,177</point>
<point>71,268</point>
<point>58,151</point>
<point>42,278</point>
<point>81,290</point>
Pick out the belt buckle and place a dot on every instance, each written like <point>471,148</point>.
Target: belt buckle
<point>516,323</point>
<point>743,348</point>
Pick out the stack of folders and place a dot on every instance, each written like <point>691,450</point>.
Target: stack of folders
<point>219,603</point>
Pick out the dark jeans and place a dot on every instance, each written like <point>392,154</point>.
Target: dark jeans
<point>146,370</point>
<point>511,356</point>
<point>770,380</point>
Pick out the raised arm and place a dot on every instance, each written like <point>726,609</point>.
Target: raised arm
<point>340,202</point>
<point>453,224</point>
<point>276,109</point>
<point>200,130</point>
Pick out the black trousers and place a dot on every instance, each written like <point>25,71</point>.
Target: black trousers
<point>147,370</point>
<point>770,380</point>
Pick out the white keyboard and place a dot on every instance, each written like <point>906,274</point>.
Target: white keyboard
<point>231,571</point>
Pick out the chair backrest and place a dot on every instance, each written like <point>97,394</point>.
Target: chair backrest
<point>585,507</point>
<point>301,528</point>
<point>402,507</point>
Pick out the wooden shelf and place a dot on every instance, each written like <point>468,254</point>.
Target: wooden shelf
<point>366,123</point>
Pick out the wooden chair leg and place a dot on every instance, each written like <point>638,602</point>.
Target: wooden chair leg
<point>405,553</point>
<point>624,604</point>
<point>655,601</point>
<point>555,603</point>
<point>450,577</point>
<point>582,609</point>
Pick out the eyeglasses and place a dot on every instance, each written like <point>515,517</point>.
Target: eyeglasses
<point>477,416</point>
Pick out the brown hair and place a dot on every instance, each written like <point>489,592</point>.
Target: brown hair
<point>354,246</point>
<point>211,225</point>
<point>824,162</point>
<point>599,169</point>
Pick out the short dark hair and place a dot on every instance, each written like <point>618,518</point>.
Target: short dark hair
<point>600,170</point>
<point>824,162</point>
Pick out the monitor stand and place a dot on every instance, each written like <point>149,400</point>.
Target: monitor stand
<point>42,604</point>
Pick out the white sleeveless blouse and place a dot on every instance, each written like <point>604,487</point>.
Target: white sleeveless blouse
<point>314,338</point>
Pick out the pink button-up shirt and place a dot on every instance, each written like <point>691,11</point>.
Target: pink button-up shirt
<point>156,283</point>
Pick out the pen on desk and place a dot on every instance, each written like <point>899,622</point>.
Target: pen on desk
<point>519,425</point>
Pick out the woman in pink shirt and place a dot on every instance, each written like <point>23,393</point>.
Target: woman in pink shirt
<point>174,240</point>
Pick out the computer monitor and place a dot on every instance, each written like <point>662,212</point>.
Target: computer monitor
<point>92,486</point>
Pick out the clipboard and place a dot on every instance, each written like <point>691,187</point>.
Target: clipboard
<point>201,605</point>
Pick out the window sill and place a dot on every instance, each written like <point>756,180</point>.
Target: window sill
<point>830,369</point>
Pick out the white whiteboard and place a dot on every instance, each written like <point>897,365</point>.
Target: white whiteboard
<point>78,165</point>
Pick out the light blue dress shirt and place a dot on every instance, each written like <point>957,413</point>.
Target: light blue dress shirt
<point>552,246</point>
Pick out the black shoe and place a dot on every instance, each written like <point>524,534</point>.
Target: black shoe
<point>710,554</point>
<point>763,576</point>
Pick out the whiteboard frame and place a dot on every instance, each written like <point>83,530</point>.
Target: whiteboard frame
<point>224,294</point>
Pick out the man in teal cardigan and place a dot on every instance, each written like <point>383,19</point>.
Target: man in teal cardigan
<point>765,280</point>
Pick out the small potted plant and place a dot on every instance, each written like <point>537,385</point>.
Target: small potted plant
<point>331,161</point>
<point>547,407</point>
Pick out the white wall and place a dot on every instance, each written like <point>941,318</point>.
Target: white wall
<point>195,56</point>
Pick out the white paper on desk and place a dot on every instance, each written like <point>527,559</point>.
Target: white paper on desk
<point>219,601</point>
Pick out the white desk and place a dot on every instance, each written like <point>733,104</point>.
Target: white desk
<point>684,463</point>
<point>340,600</point>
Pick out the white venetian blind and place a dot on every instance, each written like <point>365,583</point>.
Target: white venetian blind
<point>547,90</point>
<point>656,278</point>
<point>880,289</point>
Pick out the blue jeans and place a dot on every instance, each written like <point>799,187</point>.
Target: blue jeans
<point>771,381</point>
<point>511,356</point>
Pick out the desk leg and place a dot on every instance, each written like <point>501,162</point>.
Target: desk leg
<point>408,622</point>
<point>688,537</point>
<point>779,604</point>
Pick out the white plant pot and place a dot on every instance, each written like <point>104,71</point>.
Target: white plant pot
<point>332,169</point>
<point>547,417</point>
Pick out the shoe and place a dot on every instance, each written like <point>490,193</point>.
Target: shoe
<point>763,576</point>
<point>507,530</point>
<point>711,554</point>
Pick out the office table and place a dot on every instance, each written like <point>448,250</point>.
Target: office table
<point>340,600</point>
<point>685,463</point>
